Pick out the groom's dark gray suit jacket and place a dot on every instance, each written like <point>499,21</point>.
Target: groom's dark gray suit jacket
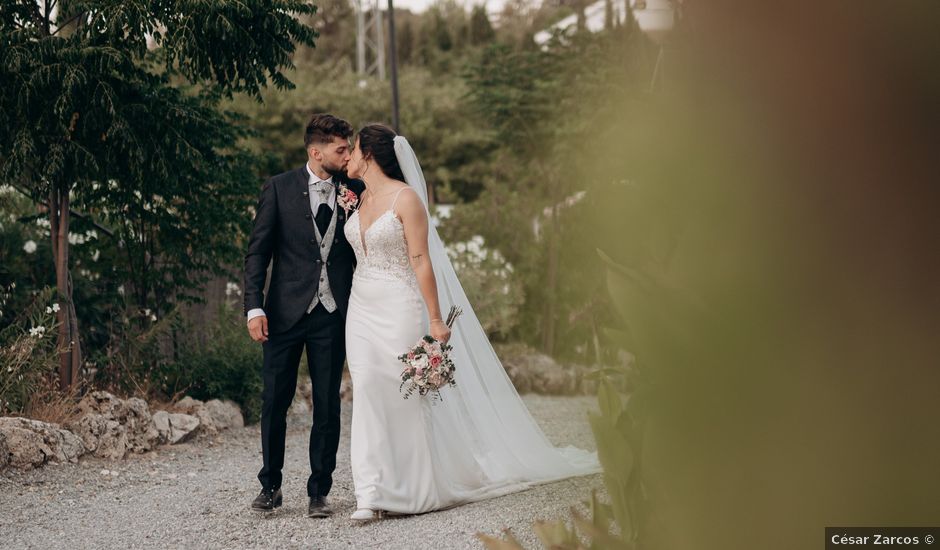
<point>284,232</point>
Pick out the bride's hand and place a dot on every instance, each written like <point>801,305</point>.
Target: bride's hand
<point>439,331</point>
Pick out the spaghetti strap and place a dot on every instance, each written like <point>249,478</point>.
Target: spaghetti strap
<point>395,200</point>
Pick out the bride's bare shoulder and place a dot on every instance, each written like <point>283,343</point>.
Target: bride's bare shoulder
<point>409,203</point>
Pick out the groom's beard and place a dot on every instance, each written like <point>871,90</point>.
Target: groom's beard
<point>334,171</point>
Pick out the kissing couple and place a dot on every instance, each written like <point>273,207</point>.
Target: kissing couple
<point>358,275</point>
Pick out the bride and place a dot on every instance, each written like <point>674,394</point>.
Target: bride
<point>408,455</point>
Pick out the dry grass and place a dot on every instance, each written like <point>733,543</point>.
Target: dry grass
<point>49,404</point>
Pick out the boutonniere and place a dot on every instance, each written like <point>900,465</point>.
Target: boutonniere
<point>346,198</point>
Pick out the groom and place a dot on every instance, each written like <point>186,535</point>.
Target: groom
<point>299,224</point>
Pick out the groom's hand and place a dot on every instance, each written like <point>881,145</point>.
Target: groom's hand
<point>258,329</point>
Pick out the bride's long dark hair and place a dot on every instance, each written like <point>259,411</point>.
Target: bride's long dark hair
<point>377,141</point>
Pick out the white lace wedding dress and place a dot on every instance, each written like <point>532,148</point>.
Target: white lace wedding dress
<point>412,455</point>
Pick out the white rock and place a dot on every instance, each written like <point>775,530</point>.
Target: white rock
<point>182,427</point>
<point>31,443</point>
<point>161,422</point>
<point>225,414</point>
<point>188,405</point>
<point>111,427</point>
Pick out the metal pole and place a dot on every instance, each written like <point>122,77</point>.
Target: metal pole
<point>393,63</point>
<point>379,42</point>
<point>360,39</point>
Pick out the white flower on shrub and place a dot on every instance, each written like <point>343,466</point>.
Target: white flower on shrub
<point>120,290</point>
<point>44,223</point>
<point>487,279</point>
<point>232,288</point>
<point>37,332</point>
<point>29,246</point>
<point>54,309</point>
<point>96,255</point>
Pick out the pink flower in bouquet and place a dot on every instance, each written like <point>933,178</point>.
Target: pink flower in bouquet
<point>435,360</point>
<point>436,379</point>
<point>346,198</point>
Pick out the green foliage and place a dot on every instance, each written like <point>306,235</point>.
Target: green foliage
<point>619,429</point>
<point>516,92</point>
<point>547,111</point>
<point>134,147</point>
<point>481,30</point>
<point>455,156</point>
<point>233,47</point>
<point>220,362</point>
<point>116,107</point>
<point>615,300</point>
<point>488,280</point>
<point>25,249</point>
<point>27,350</point>
<point>438,29</point>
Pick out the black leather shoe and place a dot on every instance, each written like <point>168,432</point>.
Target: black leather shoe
<point>318,508</point>
<point>267,500</point>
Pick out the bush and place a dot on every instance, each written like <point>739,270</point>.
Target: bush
<point>28,358</point>
<point>488,280</point>
<point>223,363</point>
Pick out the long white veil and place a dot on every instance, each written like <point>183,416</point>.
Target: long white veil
<point>483,414</point>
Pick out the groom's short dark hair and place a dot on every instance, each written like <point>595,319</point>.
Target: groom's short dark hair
<point>323,127</point>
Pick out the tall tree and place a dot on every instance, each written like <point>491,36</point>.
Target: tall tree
<point>439,27</point>
<point>91,105</point>
<point>405,39</point>
<point>544,104</point>
<point>481,30</point>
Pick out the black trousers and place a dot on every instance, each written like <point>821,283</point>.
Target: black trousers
<point>323,334</point>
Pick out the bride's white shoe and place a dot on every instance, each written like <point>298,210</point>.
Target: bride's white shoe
<point>365,514</point>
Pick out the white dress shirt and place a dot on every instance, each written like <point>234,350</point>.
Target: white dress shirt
<point>315,199</point>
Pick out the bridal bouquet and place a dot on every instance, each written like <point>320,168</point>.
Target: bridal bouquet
<point>428,366</point>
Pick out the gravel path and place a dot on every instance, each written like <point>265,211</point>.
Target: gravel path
<point>197,496</point>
